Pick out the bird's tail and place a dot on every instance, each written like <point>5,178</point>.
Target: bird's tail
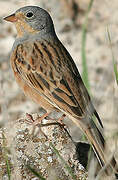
<point>97,141</point>
<point>95,137</point>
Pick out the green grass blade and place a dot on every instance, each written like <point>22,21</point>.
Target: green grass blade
<point>67,167</point>
<point>83,49</point>
<point>37,174</point>
<point>84,59</point>
<point>8,168</point>
<point>113,58</point>
<point>6,157</point>
<point>116,72</point>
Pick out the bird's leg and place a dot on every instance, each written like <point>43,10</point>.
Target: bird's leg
<point>37,120</point>
<point>59,120</point>
<point>29,118</point>
<point>46,116</point>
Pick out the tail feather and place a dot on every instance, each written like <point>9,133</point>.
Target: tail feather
<point>95,137</point>
<point>98,118</point>
<point>97,140</point>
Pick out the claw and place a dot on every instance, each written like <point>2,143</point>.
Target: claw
<point>37,122</point>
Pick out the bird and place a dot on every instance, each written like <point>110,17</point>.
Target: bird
<point>46,72</point>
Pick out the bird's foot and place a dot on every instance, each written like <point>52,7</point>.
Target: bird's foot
<point>29,119</point>
<point>37,122</point>
<point>59,120</point>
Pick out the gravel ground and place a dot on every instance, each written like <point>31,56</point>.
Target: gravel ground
<point>17,139</point>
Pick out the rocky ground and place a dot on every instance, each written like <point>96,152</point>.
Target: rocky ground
<point>18,143</point>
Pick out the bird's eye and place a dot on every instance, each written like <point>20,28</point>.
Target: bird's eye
<point>29,14</point>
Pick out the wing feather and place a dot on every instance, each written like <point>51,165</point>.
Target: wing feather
<point>51,71</point>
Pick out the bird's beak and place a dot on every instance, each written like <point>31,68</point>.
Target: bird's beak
<point>11,18</point>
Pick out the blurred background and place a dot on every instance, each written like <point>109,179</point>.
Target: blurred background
<point>69,17</point>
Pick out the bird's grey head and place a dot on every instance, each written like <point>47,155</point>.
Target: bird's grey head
<point>32,19</point>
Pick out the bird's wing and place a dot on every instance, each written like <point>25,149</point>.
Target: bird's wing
<point>48,68</point>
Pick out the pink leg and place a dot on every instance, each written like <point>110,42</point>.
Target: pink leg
<point>37,121</point>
